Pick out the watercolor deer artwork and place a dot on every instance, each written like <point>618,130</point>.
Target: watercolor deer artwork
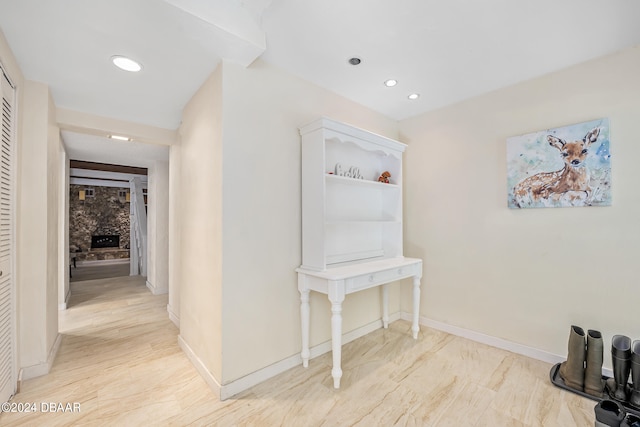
<point>568,186</point>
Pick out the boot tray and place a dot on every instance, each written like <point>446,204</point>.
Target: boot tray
<point>557,380</point>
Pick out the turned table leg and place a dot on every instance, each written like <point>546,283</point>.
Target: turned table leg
<point>336,296</point>
<point>385,306</point>
<point>304,318</point>
<point>416,307</point>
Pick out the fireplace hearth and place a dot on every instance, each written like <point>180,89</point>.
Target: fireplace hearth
<point>105,241</point>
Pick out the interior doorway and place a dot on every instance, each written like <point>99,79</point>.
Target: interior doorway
<point>102,229</point>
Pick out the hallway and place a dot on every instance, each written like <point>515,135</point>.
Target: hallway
<point>119,359</point>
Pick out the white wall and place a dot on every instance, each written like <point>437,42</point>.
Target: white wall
<point>238,220</point>
<point>37,232</point>
<point>63,230</point>
<point>200,216</point>
<point>174,263</point>
<point>263,108</point>
<point>158,228</point>
<point>525,275</point>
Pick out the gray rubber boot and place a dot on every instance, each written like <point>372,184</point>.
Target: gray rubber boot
<point>609,413</point>
<point>634,399</point>
<point>593,382</point>
<point>621,358</point>
<point>572,371</point>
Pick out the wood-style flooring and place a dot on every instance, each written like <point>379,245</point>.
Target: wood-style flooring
<point>99,271</point>
<point>119,359</point>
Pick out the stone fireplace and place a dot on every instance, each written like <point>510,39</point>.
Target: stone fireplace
<point>98,224</point>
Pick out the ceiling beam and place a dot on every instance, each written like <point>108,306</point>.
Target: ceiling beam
<point>78,164</point>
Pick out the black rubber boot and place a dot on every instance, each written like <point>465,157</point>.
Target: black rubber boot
<point>572,371</point>
<point>593,383</point>
<point>621,358</point>
<point>609,413</point>
<point>634,399</point>
<point>631,421</point>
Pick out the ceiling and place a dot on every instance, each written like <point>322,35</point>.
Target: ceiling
<point>446,51</point>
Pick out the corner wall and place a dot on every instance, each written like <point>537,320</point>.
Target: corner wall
<point>158,228</point>
<point>37,231</point>
<point>237,219</point>
<point>200,217</point>
<point>525,275</point>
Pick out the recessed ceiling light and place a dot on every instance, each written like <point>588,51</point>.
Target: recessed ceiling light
<point>354,61</point>
<point>126,64</point>
<point>120,137</point>
<point>414,96</point>
<point>390,83</point>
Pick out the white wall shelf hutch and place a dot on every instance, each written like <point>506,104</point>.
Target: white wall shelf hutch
<point>351,223</point>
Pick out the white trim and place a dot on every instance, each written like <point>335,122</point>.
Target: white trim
<point>40,369</point>
<point>197,363</point>
<point>500,343</point>
<point>13,170</point>
<point>228,390</point>
<point>155,290</point>
<point>63,306</point>
<point>173,317</point>
<point>241,384</point>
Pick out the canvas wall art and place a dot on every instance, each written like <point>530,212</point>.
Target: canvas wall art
<point>562,167</point>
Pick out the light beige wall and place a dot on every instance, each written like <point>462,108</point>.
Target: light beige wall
<point>37,220</point>
<point>200,215</point>
<point>525,275</point>
<point>263,108</point>
<point>63,230</point>
<point>174,252</point>
<point>53,196</point>
<point>157,228</point>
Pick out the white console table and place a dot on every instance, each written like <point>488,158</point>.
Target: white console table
<point>340,281</point>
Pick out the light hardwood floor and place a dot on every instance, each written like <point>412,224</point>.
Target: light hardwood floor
<point>99,271</point>
<point>120,360</point>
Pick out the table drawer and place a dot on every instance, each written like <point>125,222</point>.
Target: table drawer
<point>376,278</point>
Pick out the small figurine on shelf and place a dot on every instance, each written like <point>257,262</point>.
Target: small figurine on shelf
<point>384,177</point>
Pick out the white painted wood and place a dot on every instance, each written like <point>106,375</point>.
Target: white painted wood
<point>385,306</point>
<point>344,218</point>
<point>338,282</point>
<point>8,365</point>
<point>351,224</point>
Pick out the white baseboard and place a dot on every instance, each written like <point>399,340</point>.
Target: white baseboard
<point>325,347</point>
<point>154,290</point>
<point>202,370</point>
<point>63,306</point>
<point>173,317</point>
<point>43,368</point>
<point>229,390</point>
<point>511,346</point>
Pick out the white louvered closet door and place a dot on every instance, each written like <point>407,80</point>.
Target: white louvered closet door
<point>7,288</point>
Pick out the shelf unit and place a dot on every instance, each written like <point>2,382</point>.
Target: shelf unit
<point>347,215</point>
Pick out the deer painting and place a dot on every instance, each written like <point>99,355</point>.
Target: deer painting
<point>569,186</point>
